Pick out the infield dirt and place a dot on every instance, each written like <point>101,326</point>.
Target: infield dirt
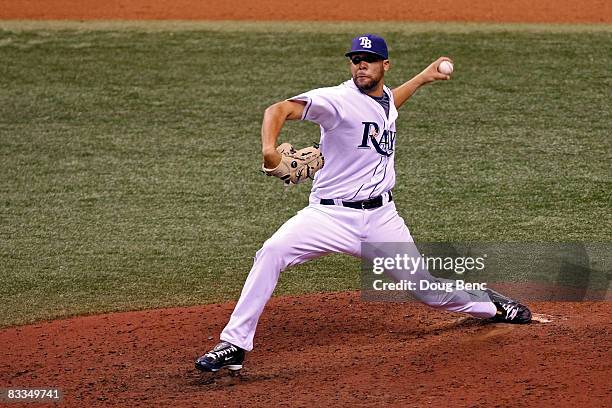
<point>323,349</point>
<point>320,349</point>
<point>526,11</point>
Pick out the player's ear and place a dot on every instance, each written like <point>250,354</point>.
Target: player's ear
<point>386,65</point>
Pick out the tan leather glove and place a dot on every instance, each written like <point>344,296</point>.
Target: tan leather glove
<point>296,166</point>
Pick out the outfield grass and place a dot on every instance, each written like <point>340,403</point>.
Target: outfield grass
<point>130,157</point>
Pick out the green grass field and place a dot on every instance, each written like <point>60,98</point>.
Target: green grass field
<point>130,153</point>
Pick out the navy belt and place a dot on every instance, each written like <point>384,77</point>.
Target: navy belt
<point>360,205</point>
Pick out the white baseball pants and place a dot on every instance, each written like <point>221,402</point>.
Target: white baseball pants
<point>319,230</point>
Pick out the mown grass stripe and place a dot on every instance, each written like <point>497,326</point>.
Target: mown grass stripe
<point>298,26</point>
<point>130,159</point>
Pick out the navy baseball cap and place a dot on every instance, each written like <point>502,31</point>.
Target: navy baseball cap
<point>369,43</point>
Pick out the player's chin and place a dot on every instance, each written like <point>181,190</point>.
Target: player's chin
<point>365,83</point>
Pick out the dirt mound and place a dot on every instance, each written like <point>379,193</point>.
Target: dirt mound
<point>318,350</point>
<point>569,11</point>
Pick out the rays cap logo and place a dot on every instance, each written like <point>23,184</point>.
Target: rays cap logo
<point>369,43</point>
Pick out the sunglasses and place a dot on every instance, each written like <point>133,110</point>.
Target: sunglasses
<point>369,58</point>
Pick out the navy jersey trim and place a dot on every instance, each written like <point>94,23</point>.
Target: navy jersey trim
<point>373,174</point>
<point>383,177</point>
<point>355,195</point>
<point>308,105</point>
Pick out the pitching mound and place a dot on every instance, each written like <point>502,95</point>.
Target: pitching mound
<point>319,350</point>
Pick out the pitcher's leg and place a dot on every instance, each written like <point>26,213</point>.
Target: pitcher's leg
<point>309,234</point>
<point>388,226</point>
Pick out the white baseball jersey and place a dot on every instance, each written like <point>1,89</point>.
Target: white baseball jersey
<point>357,142</point>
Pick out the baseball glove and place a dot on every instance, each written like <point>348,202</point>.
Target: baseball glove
<point>296,166</point>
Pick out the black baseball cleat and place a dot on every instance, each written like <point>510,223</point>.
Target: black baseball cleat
<point>224,355</point>
<point>508,310</point>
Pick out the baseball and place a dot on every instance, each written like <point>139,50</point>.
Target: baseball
<point>445,68</point>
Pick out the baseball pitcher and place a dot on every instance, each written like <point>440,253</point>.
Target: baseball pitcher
<point>351,201</point>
